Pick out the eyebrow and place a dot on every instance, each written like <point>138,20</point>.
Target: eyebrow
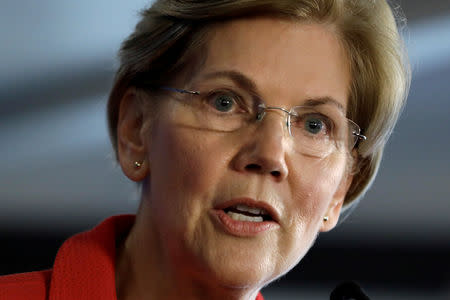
<point>246,83</point>
<point>323,101</point>
<point>237,77</point>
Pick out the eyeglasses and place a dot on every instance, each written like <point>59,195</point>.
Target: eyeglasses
<point>317,130</point>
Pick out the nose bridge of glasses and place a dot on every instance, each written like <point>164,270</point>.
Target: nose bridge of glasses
<point>279,111</point>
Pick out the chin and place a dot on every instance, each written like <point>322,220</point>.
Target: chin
<point>241,278</point>
<point>237,269</point>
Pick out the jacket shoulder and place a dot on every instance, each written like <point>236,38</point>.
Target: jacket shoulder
<point>25,286</point>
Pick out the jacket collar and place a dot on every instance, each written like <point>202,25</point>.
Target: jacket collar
<point>85,264</point>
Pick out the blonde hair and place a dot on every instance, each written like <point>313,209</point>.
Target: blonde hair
<point>172,32</point>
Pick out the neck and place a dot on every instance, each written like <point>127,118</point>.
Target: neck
<point>145,270</point>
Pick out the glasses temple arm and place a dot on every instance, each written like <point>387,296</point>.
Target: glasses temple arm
<point>360,136</point>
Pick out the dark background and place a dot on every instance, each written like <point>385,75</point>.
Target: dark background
<point>58,177</point>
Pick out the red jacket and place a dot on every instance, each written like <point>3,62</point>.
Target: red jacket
<point>83,269</point>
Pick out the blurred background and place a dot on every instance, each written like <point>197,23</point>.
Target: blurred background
<point>58,176</point>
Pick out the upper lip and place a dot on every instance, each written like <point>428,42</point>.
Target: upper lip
<point>251,203</point>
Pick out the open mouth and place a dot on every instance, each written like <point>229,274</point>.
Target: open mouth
<point>241,212</point>
<point>245,217</point>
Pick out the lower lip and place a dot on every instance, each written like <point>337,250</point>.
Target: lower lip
<point>241,228</point>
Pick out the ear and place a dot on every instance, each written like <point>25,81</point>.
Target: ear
<point>130,137</point>
<point>335,206</point>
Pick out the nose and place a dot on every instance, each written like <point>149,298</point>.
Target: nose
<point>264,149</point>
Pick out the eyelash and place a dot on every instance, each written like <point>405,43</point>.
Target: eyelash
<point>238,99</point>
<point>323,118</point>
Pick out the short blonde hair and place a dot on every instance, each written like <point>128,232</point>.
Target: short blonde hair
<point>171,32</point>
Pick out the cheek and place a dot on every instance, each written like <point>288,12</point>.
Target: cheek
<point>313,189</point>
<point>326,175</point>
<point>191,161</point>
<point>184,171</point>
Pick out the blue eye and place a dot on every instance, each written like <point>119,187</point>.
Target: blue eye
<point>314,125</point>
<point>223,103</point>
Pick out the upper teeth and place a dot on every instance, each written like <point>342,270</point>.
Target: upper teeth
<point>253,210</point>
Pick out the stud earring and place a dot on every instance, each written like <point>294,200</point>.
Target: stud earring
<point>325,219</point>
<point>137,164</point>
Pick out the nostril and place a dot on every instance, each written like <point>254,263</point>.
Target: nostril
<point>258,168</point>
<point>275,173</point>
<point>253,167</point>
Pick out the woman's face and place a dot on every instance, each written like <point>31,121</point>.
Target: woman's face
<point>195,173</point>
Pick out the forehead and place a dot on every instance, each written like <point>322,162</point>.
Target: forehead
<point>286,59</point>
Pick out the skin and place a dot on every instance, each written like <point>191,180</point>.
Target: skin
<point>174,250</point>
